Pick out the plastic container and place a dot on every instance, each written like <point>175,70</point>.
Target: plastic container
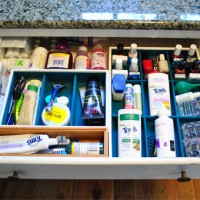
<point>38,59</point>
<point>163,64</point>
<point>82,60</point>
<point>159,94</point>
<point>28,143</point>
<point>176,57</point>
<point>132,53</point>
<point>98,58</point>
<point>191,58</point>
<point>118,87</point>
<point>129,133</point>
<point>164,131</point>
<point>186,97</point>
<point>58,116</point>
<point>60,57</point>
<point>27,111</point>
<point>128,97</point>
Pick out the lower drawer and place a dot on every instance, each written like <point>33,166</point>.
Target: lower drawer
<point>76,133</point>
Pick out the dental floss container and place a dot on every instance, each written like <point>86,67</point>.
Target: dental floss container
<point>59,115</point>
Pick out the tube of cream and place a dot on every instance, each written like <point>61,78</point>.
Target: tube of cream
<point>28,143</point>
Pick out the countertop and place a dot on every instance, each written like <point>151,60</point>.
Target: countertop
<point>101,14</point>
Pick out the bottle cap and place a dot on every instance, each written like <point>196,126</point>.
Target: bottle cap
<point>32,87</point>
<point>163,112</point>
<point>119,83</point>
<point>52,141</point>
<point>40,50</point>
<point>162,57</point>
<point>134,46</point>
<point>129,85</point>
<point>134,64</point>
<point>82,48</point>
<point>192,49</point>
<point>177,50</point>
<point>119,63</point>
<point>133,49</point>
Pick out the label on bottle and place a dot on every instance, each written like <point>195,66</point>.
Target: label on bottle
<point>82,62</point>
<point>58,60</point>
<point>38,61</point>
<point>85,148</point>
<point>129,138</point>
<point>98,60</point>
<point>128,98</point>
<point>165,144</point>
<point>57,115</point>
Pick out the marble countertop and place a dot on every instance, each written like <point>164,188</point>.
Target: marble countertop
<point>101,14</point>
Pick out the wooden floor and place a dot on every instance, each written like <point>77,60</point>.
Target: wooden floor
<point>99,189</point>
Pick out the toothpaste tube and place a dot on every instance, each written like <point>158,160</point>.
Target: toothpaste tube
<point>28,143</point>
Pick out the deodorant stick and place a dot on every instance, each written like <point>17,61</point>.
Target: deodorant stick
<point>129,133</point>
<point>159,94</point>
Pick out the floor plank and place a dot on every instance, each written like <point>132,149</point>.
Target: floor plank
<point>99,189</point>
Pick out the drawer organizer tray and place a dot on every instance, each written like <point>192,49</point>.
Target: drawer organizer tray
<point>73,79</point>
<point>147,122</point>
<point>76,128</point>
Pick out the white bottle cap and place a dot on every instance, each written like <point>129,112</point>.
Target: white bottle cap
<point>163,112</point>
<point>162,57</point>
<point>136,88</point>
<point>192,49</point>
<point>134,65</point>
<point>177,50</point>
<point>133,48</point>
<point>40,50</point>
<point>128,85</point>
<point>82,48</point>
<point>119,63</point>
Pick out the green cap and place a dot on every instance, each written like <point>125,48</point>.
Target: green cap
<point>32,87</point>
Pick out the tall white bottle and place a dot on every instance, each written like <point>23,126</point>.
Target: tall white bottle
<point>164,131</point>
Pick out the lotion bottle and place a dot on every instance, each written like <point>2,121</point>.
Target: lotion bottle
<point>164,131</point>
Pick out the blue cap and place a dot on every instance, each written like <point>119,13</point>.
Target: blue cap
<point>119,83</point>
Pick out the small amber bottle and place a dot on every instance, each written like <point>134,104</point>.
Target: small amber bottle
<point>60,57</point>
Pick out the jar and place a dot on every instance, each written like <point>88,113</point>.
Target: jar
<point>38,59</point>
